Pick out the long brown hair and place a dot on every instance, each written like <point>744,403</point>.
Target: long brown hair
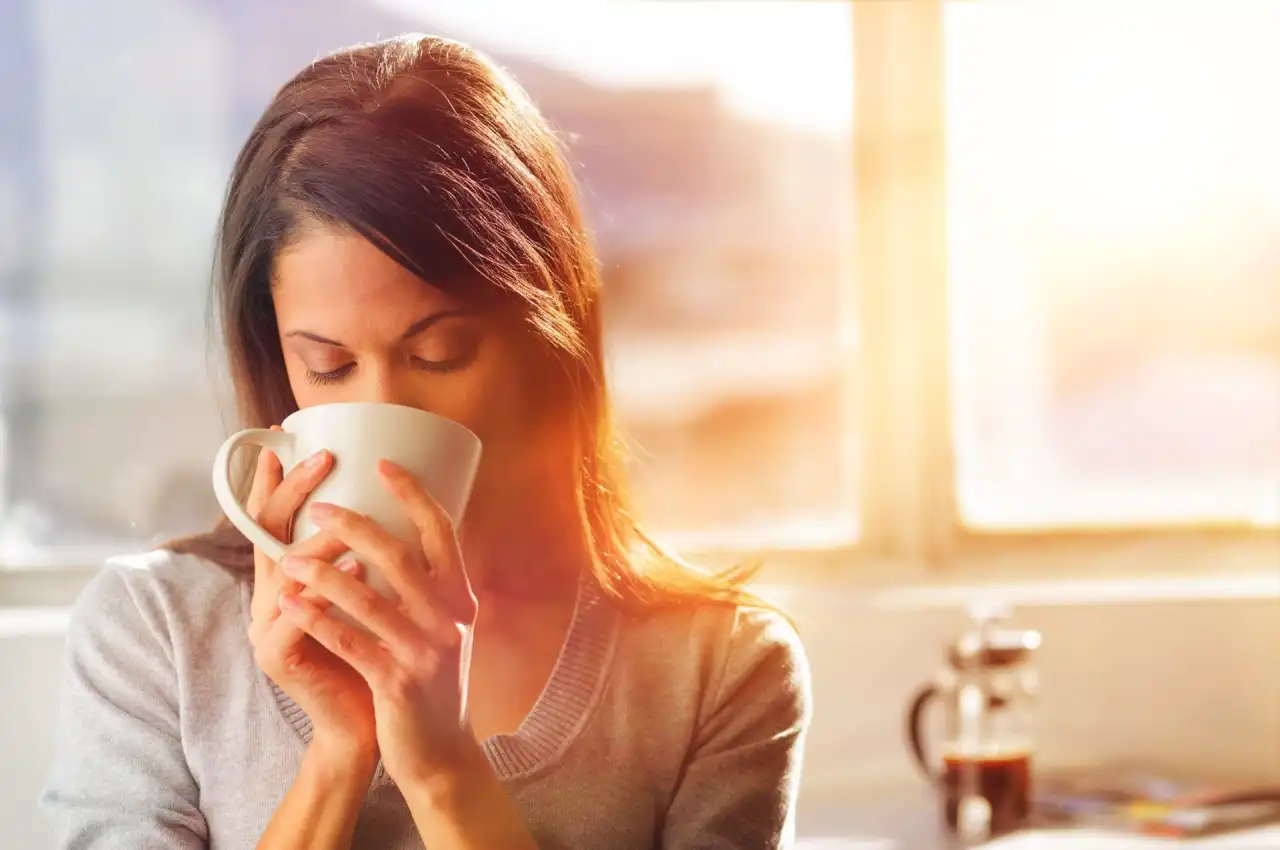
<point>431,152</point>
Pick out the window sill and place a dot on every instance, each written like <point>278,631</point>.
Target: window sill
<point>36,559</point>
<point>1053,570</point>
<point>1211,587</point>
<point>1060,570</point>
<point>34,622</point>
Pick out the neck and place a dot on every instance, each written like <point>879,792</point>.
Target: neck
<point>529,556</point>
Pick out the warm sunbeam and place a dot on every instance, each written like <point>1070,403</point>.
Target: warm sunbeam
<point>752,52</point>
<point>1113,206</point>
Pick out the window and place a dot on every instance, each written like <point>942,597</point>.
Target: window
<point>1058,250</point>
<point>716,174</point>
<point>1114,223</point>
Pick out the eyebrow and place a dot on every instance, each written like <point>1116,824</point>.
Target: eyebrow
<point>412,331</point>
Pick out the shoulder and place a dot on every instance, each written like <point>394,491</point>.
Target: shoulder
<point>720,633</point>
<point>162,595</point>
<point>729,653</point>
<point>763,660</point>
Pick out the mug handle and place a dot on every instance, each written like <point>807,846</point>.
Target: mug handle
<point>280,442</point>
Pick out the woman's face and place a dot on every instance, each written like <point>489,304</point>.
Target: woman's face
<point>357,326</point>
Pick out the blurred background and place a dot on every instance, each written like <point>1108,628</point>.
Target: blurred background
<point>1096,352</point>
<point>1113,209</point>
<point>719,199</point>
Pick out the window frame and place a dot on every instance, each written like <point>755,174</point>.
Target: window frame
<point>910,523</point>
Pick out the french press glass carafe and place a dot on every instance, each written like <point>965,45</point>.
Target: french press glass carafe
<point>982,765</point>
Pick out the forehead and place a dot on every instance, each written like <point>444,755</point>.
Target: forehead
<point>329,273</point>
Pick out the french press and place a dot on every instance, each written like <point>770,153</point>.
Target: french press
<point>982,765</point>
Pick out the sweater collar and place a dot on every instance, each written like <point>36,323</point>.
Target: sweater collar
<point>570,695</point>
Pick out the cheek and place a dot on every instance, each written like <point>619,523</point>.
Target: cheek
<point>508,413</point>
<point>496,411</point>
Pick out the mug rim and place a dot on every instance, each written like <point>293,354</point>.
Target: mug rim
<point>463,429</point>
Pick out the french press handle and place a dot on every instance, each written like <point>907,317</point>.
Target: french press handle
<point>915,734</point>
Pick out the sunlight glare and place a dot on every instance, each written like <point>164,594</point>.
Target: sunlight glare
<point>771,61</point>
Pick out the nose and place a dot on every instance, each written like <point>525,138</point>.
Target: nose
<point>383,383</point>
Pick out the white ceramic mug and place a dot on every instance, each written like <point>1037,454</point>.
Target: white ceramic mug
<point>440,453</point>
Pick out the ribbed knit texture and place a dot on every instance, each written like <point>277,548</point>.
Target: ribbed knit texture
<point>678,729</point>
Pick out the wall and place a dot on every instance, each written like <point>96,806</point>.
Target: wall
<point>1178,673</point>
<point>1192,684</point>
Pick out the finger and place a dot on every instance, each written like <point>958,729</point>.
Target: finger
<point>292,491</point>
<point>439,539</point>
<point>266,477</point>
<point>264,608</point>
<point>268,589</point>
<point>267,610</point>
<point>403,569</point>
<point>371,609</point>
<point>260,627</point>
<point>276,649</point>
<point>322,544</point>
<point>353,645</point>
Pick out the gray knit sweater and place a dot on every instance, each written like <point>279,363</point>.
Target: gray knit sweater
<point>673,730</point>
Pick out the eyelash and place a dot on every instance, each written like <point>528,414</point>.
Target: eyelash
<point>322,378</point>
<point>434,366</point>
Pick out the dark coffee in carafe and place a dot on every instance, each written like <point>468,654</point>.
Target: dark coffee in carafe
<point>1003,779</point>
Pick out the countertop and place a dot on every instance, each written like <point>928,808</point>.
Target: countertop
<point>890,821</point>
<point>911,822</point>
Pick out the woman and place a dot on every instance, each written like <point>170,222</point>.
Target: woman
<point>401,227</point>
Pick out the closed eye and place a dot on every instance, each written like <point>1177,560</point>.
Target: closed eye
<point>330,377</point>
<point>448,348</point>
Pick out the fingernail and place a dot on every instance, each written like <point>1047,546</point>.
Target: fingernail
<point>322,510</point>
<point>288,602</point>
<point>289,565</point>
<point>390,467</point>
<point>315,460</point>
<point>348,564</point>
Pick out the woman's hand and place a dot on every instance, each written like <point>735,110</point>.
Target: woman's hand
<point>334,696</point>
<point>412,651</point>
